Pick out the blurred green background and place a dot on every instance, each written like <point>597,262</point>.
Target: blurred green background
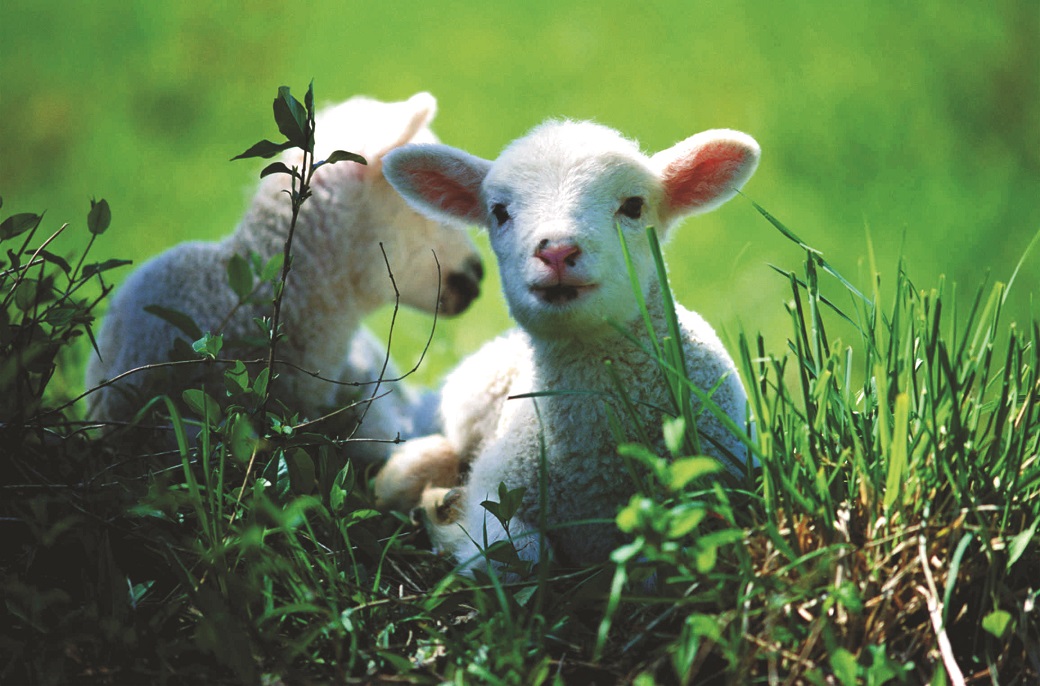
<point>919,122</point>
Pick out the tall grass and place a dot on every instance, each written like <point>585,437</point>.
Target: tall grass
<point>891,531</point>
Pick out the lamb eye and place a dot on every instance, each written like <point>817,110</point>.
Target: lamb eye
<point>500,212</point>
<point>632,207</point>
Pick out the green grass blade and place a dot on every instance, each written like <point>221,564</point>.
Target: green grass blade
<point>897,452</point>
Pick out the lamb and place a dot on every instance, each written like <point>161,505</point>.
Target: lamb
<point>553,204</point>
<point>338,277</point>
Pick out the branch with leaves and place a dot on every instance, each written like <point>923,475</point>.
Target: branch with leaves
<point>295,121</point>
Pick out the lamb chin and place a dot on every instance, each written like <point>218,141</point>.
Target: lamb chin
<point>561,295</point>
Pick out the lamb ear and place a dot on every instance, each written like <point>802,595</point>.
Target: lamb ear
<point>417,112</point>
<point>704,171</point>
<point>439,181</point>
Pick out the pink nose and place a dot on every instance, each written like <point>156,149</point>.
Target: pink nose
<point>558,257</point>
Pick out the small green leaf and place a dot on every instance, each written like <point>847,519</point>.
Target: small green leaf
<point>674,434</point>
<point>510,499</point>
<point>495,509</point>
<point>242,438</point>
<point>344,156</point>
<point>265,149</point>
<point>632,516</point>
<point>706,548</point>
<point>273,269</point>
<point>508,503</point>
<point>687,469</point>
<point>704,626</point>
<point>342,486</point>
<point>641,453</point>
<point>236,379</point>
<point>999,623</point>
<point>301,471</point>
<point>884,669</point>
<point>705,557</point>
<point>98,267</point>
<point>208,345</point>
<point>503,552</point>
<point>522,597</point>
<point>281,481</point>
<point>844,665</point>
<point>183,322</point>
<point>202,404</point>
<point>53,259</point>
<point>239,276</point>
<point>61,316</point>
<point>337,497</point>
<point>308,99</point>
<point>278,168</point>
<point>260,382</point>
<point>25,295</point>
<point>362,514</point>
<point>628,551</point>
<point>848,595</point>
<point>18,224</point>
<point>1020,543</point>
<point>684,519</point>
<point>291,118</point>
<point>100,216</point>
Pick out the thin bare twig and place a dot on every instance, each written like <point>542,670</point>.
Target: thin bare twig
<point>390,335</point>
<point>931,596</point>
<point>349,406</point>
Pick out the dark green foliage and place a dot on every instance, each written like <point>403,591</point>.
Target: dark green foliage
<point>66,596</point>
<point>45,308</point>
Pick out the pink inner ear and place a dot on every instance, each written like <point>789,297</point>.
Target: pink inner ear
<point>692,183</point>
<point>444,192</point>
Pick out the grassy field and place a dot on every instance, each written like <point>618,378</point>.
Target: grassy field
<point>890,536</point>
<point>916,126</point>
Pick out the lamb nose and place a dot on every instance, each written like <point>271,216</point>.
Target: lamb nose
<point>559,256</point>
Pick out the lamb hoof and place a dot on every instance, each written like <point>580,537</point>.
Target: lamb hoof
<point>419,464</point>
<point>440,506</point>
<point>450,508</point>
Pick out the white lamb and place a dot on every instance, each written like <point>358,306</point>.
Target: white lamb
<point>338,277</point>
<point>552,203</point>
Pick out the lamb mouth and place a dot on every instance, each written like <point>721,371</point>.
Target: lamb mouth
<point>561,294</point>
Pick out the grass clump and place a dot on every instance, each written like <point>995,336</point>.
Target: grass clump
<point>915,492</point>
<point>888,533</point>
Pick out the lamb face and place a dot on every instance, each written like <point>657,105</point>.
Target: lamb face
<point>416,247</point>
<point>358,216</point>
<point>555,201</point>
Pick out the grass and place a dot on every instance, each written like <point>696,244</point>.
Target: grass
<point>889,536</point>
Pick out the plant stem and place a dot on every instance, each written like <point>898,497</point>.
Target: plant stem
<point>298,197</point>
